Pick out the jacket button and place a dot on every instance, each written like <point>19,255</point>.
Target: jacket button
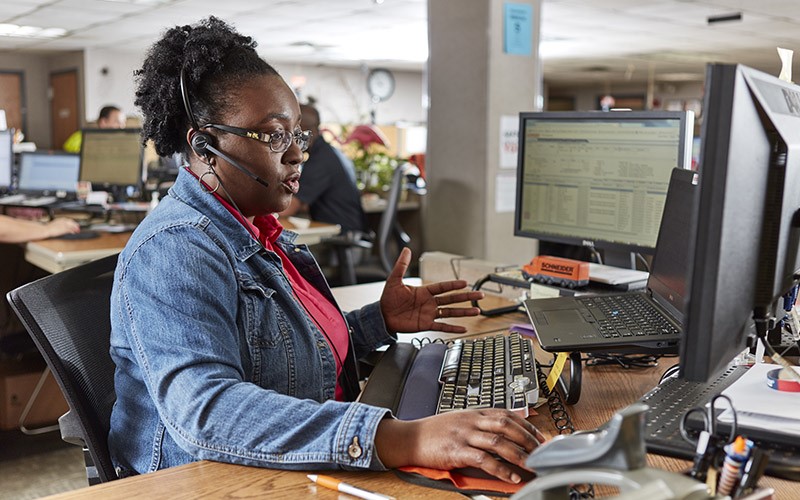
<point>354,450</point>
<point>296,250</point>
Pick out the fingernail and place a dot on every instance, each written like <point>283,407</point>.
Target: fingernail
<point>515,478</point>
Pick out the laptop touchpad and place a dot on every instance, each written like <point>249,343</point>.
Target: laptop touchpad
<point>561,317</point>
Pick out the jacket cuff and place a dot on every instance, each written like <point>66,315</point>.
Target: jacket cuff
<point>355,441</point>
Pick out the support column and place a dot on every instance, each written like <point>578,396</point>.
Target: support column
<point>473,83</point>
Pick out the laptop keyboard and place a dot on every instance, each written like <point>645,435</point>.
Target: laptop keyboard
<point>626,315</point>
<point>495,372</point>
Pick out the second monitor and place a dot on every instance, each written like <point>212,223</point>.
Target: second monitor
<point>598,179</point>
<point>111,158</point>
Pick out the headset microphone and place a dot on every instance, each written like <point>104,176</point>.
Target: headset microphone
<point>230,160</point>
<point>201,142</point>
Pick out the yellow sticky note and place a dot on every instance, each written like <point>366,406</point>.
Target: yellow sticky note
<point>555,371</point>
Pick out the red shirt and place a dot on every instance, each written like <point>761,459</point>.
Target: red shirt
<point>322,312</point>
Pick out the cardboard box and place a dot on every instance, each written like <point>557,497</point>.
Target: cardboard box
<point>17,383</point>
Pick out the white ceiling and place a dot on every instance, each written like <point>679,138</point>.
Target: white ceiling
<point>582,40</point>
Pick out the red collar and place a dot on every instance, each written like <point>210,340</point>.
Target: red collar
<point>263,226</point>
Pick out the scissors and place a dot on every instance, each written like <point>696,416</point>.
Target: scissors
<point>709,441</point>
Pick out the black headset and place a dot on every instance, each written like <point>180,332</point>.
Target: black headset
<point>200,140</point>
<point>202,143</point>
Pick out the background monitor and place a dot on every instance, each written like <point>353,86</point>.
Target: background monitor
<point>751,136</point>
<point>6,160</point>
<point>44,173</point>
<point>111,157</point>
<point>599,179</point>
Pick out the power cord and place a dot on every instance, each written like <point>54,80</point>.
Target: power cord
<point>626,361</point>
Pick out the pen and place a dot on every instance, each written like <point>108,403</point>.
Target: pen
<point>335,484</point>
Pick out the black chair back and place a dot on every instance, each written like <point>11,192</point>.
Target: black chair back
<point>67,315</point>
<point>389,250</point>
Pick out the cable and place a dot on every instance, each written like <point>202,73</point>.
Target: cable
<point>669,372</point>
<point>626,361</point>
<point>643,261</point>
<point>596,255</point>
<point>558,411</point>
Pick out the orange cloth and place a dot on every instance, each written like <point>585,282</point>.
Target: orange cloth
<point>465,482</point>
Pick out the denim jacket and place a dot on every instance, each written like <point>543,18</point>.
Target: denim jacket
<point>215,357</point>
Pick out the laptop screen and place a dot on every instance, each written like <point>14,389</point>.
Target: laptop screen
<point>674,248</point>
<point>48,173</point>
<point>6,159</point>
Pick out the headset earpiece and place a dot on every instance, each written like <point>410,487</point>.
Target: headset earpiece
<point>200,142</point>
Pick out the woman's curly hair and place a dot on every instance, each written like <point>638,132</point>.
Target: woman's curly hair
<point>215,59</point>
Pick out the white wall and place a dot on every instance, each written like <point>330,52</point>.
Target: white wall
<point>340,92</point>
<point>108,79</point>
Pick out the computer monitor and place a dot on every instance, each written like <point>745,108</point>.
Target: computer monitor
<point>746,241</point>
<point>47,173</point>
<point>598,179</point>
<point>6,160</point>
<point>111,158</point>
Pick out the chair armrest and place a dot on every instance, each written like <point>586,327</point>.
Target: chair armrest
<point>71,428</point>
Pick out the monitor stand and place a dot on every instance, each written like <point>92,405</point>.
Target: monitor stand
<point>619,258</point>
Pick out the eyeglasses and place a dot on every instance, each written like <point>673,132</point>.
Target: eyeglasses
<point>278,142</point>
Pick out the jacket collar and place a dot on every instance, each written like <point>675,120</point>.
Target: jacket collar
<point>188,190</point>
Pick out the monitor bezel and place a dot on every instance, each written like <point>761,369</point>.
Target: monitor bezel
<point>686,119</point>
<point>730,224</point>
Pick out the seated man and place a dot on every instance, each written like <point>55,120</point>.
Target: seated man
<point>328,189</point>
<point>109,117</point>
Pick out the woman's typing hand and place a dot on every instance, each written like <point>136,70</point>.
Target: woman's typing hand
<point>465,438</point>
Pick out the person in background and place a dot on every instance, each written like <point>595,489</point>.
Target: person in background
<point>109,117</point>
<point>20,231</point>
<point>328,190</point>
<point>228,343</point>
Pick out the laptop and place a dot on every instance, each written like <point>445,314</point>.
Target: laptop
<point>48,176</point>
<point>649,321</point>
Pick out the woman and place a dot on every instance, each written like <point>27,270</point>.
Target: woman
<point>227,340</point>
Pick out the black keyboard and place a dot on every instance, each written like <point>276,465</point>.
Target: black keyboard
<point>627,315</point>
<point>673,397</point>
<point>494,372</point>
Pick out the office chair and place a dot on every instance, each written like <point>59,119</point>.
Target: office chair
<point>389,235</point>
<point>67,315</point>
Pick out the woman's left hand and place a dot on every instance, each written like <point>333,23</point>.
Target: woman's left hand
<point>410,309</point>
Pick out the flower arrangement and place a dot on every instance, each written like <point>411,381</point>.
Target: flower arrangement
<point>366,146</point>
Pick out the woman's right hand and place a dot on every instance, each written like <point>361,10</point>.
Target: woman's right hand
<point>61,225</point>
<point>467,438</point>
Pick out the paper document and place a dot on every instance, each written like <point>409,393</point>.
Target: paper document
<point>615,275</point>
<point>761,407</point>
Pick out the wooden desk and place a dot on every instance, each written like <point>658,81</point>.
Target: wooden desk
<point>605,390</point>
<point>56,255</point>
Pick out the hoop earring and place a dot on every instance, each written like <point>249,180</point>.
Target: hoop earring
<point>203,184</point>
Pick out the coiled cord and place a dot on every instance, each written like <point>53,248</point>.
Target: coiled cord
<point>558,411</point>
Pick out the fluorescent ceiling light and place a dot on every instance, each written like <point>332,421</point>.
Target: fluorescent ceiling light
<point>140,2</point>
<point>30,31</point>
